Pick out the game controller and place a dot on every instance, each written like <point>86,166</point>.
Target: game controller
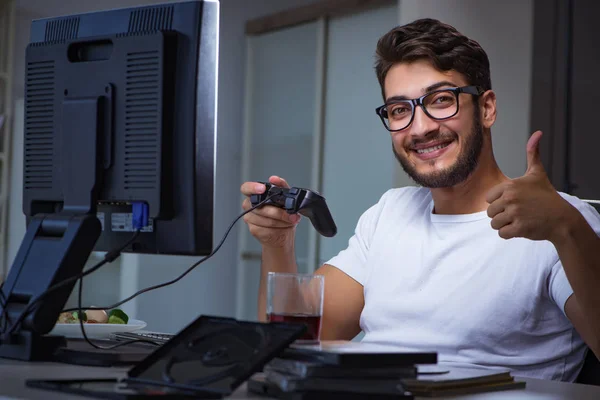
<point>298,200</point>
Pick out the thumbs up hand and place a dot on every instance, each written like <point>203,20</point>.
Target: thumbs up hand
<point>528,206</point>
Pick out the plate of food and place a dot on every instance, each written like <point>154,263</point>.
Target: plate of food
<point>98,324</point>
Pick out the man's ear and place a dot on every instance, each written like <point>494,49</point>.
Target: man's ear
<point>487,102</point>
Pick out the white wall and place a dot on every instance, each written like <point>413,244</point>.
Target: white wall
<point>211,288</point>
<point>357,147</point>
<point>505,31</point>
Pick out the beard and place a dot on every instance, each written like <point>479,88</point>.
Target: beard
<point>465,164</point>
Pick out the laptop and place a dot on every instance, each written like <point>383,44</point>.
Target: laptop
<point>209,359</point>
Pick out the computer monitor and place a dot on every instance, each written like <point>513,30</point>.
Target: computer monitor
<point>120,111</point>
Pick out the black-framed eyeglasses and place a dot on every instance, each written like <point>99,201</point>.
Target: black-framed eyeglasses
<point>439,105</point>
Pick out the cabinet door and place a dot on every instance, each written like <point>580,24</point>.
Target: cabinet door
<point>585,101</point>
<point>566,93</point>
<point>358,163</point>
<point>281,87</point>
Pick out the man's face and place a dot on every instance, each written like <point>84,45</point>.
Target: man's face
<point>435,154</point>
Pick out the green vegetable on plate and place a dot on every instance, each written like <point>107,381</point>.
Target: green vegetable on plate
<point>117,316</point>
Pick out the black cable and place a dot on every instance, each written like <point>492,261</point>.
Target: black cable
<point>109,257</point>
<point>87,339</point>
<point>161,285</point>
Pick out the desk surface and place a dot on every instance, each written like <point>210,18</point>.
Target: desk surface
<point>14,373</point>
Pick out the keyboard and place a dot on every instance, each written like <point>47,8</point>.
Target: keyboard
<point>157,337</point>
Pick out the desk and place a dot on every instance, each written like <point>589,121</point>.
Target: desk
<point>14,373</point>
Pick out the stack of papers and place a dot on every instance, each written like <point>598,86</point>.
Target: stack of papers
<point>459,380</point>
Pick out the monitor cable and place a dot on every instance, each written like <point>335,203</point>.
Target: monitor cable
<point>108,258</point>
<point>177,279</point>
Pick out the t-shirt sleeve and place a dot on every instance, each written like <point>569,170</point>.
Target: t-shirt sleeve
<point>559,287</point>
<point>353,259</point>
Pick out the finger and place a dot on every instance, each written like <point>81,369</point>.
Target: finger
<point>264,222</point>
<point>508,231</point>
<point>496,208</point>
<point>272,212</point>
<point>277,181</point>
<point>534,162</point>
<point>495,193</point>
<point>246,204</point>
<point>501,220</point>
<point>250,188</point>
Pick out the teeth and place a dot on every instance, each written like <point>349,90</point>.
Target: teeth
<point>430,149</point>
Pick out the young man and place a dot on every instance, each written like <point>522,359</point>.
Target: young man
<point>483,269</point>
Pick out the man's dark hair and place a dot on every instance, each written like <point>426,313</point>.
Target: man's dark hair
<point>441,44</point>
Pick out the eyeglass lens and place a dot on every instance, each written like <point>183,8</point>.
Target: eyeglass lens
<point>438,105</point>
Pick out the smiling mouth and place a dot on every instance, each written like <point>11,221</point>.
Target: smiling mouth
<point>433,148</point>
<point>430,149</point>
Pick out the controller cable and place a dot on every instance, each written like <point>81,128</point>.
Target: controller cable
<point>111,256</point>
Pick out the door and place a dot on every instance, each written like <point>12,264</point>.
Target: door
<point>281,92</point>
<point>310,118</point>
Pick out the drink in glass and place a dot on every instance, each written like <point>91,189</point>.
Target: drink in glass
<point>296,298</point>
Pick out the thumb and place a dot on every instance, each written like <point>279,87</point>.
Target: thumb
<point>534,162</point>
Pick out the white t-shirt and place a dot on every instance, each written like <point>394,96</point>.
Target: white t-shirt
<point>450,284</point>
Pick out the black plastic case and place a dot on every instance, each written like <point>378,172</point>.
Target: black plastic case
<point>210,358</point>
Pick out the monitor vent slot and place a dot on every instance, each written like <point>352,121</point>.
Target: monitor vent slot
<point>151,19</point>
<point>39,125</point>
<point>57,30</point>
<point>142,120</point>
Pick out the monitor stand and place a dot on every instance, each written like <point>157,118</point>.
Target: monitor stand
<point>55,248</point>
<point>57,242</point>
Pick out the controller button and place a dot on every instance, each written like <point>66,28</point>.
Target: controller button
<point>290,203</point>
<point>294,190</point>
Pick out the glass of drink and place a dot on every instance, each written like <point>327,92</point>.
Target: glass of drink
<point>296,298</point>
